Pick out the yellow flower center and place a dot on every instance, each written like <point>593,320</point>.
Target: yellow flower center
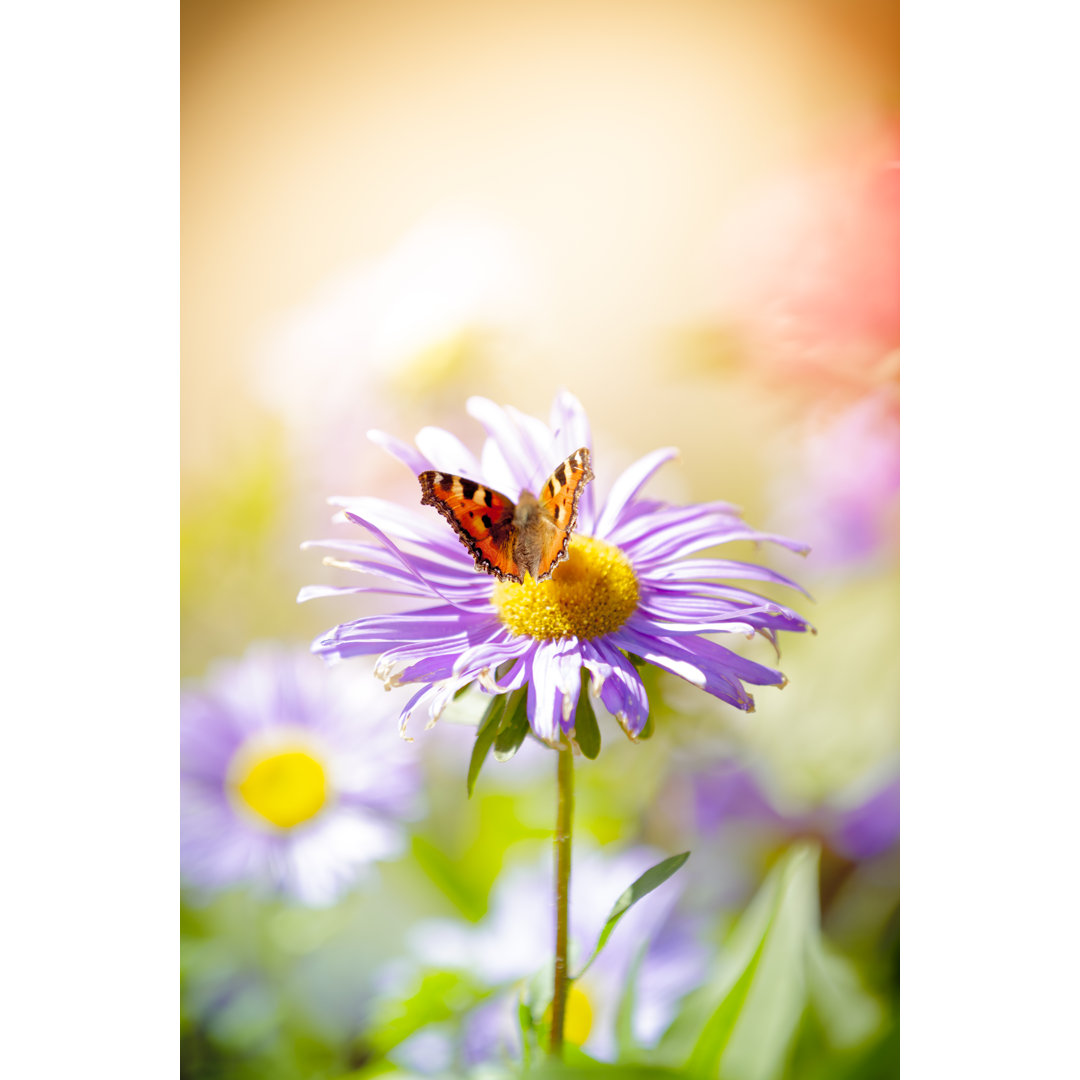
<point>284,788</point>
<point>590,594</point>
<point>578,1018</point>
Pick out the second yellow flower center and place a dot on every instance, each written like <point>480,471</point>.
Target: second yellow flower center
<point>285,788</point>
<point>579,1016</point>
<point>592,593</point>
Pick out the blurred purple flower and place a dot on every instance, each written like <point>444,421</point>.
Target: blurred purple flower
<point>729,794</point>
<point>506,949</point>
<point>844,495</point>
<point>290,777</point>
<point>625,571</point>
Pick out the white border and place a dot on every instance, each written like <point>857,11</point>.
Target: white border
<point>88,423</point>
<point>990,427</point>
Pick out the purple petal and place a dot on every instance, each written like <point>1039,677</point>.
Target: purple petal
<point>628,485</point>
<point>684,614</point>
<point>569,425</point>
<point>729,792</point>
<point>536,438</point>
<point>209,737</point>
<point>692,658</point>
<point>458,572</point>
<point>504,432</point>
<point>412,525</point>
<point>319,592</point>
<point>708,655</point>
<point>639,529</point>
<point>416,627</point>
<point>447,452</point>
<point>721,568</point>
<point>675,542</point>
<point>403,635</point>
<point>467,593</point>
<point>462,656</point>
<point>516,677</point>
<point>570,431</point>
<point>707,592</point>
<point>872,827</point>
<point>439,659</point>
<point>496,472</point>
<point>415,461</point>
<point>402,557</point>
<point>541,703</point>
<point>556,674</point>
<point>619,685</point>
<point>568,669</point>
<point>431,699</point>
<point>496,649</point>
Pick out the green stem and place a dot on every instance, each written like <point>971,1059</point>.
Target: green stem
<point>563,833</point>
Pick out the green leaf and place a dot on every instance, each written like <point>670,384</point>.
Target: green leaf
<point>529,1045</point>
<point>755,1003</point>
<point>513,728</point>
<point>586,729</point>
<point>710,1047</point>
<point>538,991</point>
<point>644,885</point>
<point>625,1042</point>
<point>846,1012</point>
<point>437,998</point>
<point>447,874</point>
<point>579,1067</point>
<point>746,1021</point>
<point>485,736</point>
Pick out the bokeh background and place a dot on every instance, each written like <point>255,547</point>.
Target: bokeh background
<point>687,214</point>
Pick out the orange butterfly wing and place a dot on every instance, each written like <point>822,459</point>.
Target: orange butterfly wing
<point>559,501</point>
<point>505,539</point>
<point>482,518</point>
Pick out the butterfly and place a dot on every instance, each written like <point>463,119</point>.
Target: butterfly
<point>508,539</point>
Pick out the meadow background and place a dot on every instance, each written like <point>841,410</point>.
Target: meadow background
<point>687,215</point>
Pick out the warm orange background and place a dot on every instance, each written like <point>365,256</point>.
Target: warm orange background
<point>613,137</point>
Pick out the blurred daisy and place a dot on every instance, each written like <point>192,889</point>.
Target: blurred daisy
<point>858,824</point>
<point>291,779</point>
<point>625,591</point>
<point>651,946</point>
<point>843,493</point>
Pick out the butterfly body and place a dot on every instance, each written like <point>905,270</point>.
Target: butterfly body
<point>508,539</point>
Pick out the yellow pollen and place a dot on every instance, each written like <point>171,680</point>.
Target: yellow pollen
<point>590,594</point>
<point>284,788</point>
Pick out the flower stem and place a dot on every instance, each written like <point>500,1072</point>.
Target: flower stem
<point>563,833</point>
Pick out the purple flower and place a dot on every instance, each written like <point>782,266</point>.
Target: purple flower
<point>290,777</point>
<point>504,950</point>
<point>626,591</point>
<point>727,793</point>
<point>844,494</point>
